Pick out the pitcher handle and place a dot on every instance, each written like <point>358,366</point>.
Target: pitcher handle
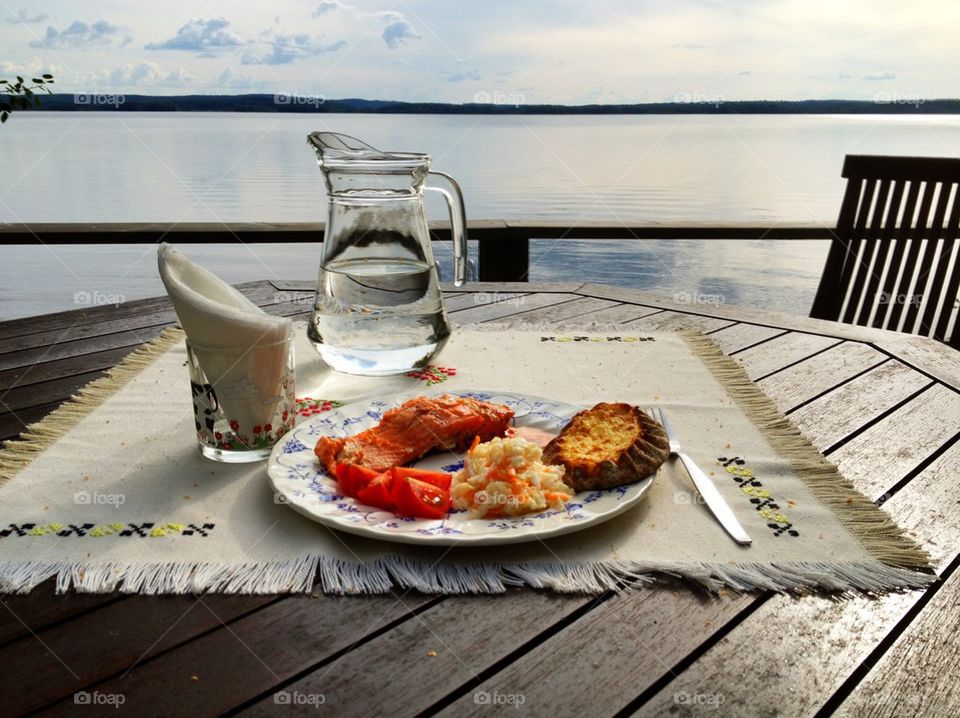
<point>458,226</point>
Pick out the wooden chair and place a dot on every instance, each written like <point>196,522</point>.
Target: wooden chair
<point>895,262</point>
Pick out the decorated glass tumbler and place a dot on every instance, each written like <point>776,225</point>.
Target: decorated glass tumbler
<point>243,398</point>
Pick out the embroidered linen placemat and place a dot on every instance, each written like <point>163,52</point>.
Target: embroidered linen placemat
<point>109,493</point>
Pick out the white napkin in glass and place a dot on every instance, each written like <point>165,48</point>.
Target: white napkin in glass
<point>211,312</point>
<point>241,349</point>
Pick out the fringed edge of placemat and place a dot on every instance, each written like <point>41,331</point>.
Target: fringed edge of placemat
<point>870,525</point>
<point>16,454</point>
<point>313,572</point>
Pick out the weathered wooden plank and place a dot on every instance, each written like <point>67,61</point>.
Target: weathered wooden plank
<point>780,352</point>
<point>933,357</point>
<point>58,662</point>
<point>230,665</point>
<point>918,675</point>
<point>295,285</point>
<point>259,292</point>
<point>23,614</point>
<point>78,347</point>
<point>827,420</point>
<point>736,312</point>
<point>674,321</point>
<point>568,310</point>
<point>740,336</point>
<point>24,397</point>
<point>475,299</point>
<point>438,651</point>
<point>512,308</point>
<point>820,372</point>
<point>595,666</point>
<point>48,371</point>
<point>620,313</point>
<point>900,441</point>
<point>525,287</point>
<point>82,331</point>
<point>811,645</point>
<point>11,424</point>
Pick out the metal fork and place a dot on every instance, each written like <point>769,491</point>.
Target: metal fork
<point>708,491</point>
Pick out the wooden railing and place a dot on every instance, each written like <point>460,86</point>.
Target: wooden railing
<point>504,245</point>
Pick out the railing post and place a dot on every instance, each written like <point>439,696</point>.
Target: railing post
<point>507,259</point>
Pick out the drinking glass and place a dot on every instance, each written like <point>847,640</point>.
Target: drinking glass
<point>243,398</point>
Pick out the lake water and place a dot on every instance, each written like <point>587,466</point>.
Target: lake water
<point>216,167</point>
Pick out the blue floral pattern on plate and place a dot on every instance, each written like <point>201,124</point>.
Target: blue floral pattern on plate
<point>301,483</point>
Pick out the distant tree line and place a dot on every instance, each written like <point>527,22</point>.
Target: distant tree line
<point>313,103</point>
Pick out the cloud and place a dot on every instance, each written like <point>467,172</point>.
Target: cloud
<point>149,73</point>
<point>201,35</point>
<point>398,30</point>
<point>23,16</point>
<point>829,76</point>
<point>462,76</point>
<point>34,68</point>
<point>688,46</point>
<point>80,34</point>
<point>875,76</point>
<point>286,49</point>
<point>328,6</point>
<point>398,33</point>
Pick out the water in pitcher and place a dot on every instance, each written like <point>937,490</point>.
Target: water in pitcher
<point>377,316</point>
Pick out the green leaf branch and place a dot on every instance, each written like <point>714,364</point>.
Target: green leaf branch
<point>21,95</point>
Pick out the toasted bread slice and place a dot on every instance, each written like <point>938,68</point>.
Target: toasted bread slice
<point>608,445</point>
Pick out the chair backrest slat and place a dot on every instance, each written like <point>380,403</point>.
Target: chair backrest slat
<point>914,299</point>
<point>874,302</point>
<point>906,276</point>
<point>954,223</point>
<point>936,298</point>
<point>869,224</point>
<point>895,262</point>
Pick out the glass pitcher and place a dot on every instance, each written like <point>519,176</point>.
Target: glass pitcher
<point>379,309</point>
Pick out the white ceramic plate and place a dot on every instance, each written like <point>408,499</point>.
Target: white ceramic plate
<point>303,484</point>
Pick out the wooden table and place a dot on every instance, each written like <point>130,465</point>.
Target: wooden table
<point>884,407</point>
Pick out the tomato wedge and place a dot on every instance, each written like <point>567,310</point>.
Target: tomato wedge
<point>377,493</point>
<point>437,478</point>
<point>420,499</point>
<point>352,478</point>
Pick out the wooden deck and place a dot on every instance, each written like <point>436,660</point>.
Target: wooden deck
<point>884,407</point>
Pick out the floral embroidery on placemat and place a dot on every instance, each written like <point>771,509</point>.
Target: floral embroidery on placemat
<point>148,529</point>
<point>308,406</point>
<point>432,374</point>
<point>761,499</point>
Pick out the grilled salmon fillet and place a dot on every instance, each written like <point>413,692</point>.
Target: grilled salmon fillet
<point>414,428</point>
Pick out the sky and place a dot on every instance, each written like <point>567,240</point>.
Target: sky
<point>537,51</point>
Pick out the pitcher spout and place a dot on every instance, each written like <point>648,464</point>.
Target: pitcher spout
<point>352,166</point>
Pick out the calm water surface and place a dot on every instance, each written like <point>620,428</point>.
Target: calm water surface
<point>214,167</point>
